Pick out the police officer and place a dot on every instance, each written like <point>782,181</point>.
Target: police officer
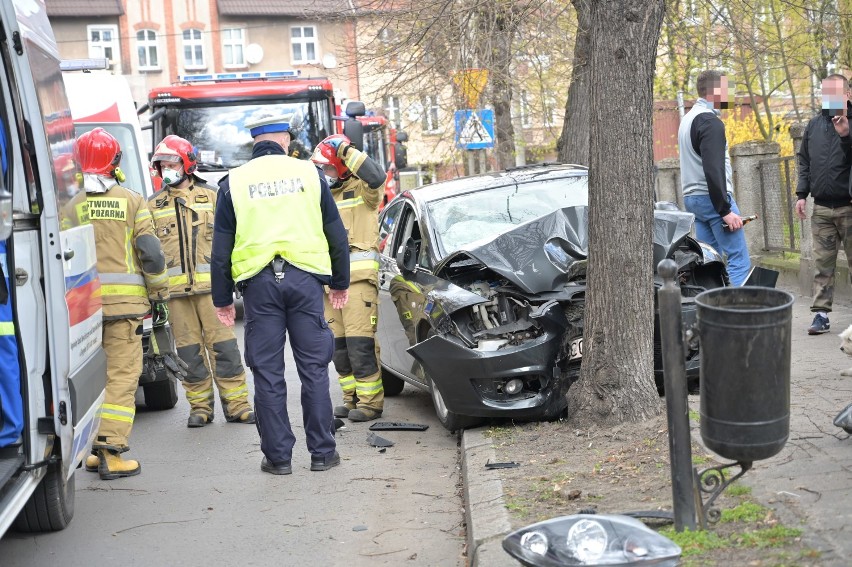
<point>357,185</point>
<point>132,271</point>
<point>279,237</point>
<point>183,219</point>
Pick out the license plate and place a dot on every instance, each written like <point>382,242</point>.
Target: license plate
<point>575,349</point>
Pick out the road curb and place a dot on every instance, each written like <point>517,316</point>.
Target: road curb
<point>484,506</point>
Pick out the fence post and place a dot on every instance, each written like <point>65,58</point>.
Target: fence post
<point>668,181</point>
<point>745,161</point>
<point>806,261</point>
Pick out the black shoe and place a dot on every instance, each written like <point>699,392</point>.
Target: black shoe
<point>325,463</point>
<point>281,468</point>
<point>820,325</point>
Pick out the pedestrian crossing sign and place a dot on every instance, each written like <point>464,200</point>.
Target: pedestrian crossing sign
<point>474,129</point>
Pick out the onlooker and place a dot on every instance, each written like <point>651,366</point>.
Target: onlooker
<point>183,218</point>
<point>278,235</point>
<point>706,175</point>
<point>824,160</point>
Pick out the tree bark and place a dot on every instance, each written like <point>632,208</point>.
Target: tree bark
<point>573,143</point>
<point>501,90</point>
<point>617,378</point>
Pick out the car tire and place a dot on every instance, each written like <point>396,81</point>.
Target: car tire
<point>51,506</point>
<point>160,395</point>
<point>391,383</point>
<point>449,419</point>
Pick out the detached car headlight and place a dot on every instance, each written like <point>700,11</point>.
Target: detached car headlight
<point>590,539</point>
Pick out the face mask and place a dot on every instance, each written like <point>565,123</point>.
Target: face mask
<point>172,177</point>
<point>330,180</point>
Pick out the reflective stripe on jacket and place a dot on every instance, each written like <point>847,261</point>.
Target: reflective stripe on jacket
<point>131,265</point>
<point>183,220</point>
<point>277,206</point>
<point>358,206</point>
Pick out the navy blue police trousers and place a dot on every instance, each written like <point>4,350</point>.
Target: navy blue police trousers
<point>272,308</point>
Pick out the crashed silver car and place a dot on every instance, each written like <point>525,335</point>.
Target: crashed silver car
<point>482,290</point>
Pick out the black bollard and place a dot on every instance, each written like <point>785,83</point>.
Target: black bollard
<point>677,409</point>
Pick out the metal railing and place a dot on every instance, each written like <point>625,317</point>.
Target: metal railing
<point>781,229</point>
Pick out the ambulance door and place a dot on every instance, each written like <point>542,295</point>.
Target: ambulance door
<point>70,301</point>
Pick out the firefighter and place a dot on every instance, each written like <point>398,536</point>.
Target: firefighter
<point>357,185</point>
<point>183,219</point>
<point>132,271</point>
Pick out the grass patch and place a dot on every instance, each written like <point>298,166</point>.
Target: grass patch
<point>694,416</point>
<point>744,512</point>
<point>739,490</point>
<point>695,543</point>
<point>776,536</point>
<point>699,459</point>
<point>500,433</point>
<point>518,505</point>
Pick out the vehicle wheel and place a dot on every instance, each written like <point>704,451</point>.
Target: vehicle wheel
<point>161,395</point>
<point>450,420</point>
<point>392,384</point>
<point>51,506</point>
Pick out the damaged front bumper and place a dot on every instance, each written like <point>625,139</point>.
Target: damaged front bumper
<point>473,382</point>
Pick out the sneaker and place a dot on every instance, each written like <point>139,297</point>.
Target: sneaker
<point>820,325</point>
<point>324,463</point>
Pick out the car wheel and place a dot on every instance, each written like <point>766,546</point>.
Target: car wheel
<point>391,383</point>
<point>51,506</point>
<point>160,395</point>
<point>449,419</point>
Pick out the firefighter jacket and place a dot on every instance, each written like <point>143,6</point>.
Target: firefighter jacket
<point>358,200</point>
<point>131,265</point>
<point>277,206</point>
<point>183,220</point>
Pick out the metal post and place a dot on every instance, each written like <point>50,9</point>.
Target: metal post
<point>483,161</point>
<point>677,410</point>
<point>471,162</point>
<point>680,106</point>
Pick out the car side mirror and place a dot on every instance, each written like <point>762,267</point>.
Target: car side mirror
<point>354,130</point>
<point>406,257</point>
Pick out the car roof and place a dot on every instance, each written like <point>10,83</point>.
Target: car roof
<point>483,181</point>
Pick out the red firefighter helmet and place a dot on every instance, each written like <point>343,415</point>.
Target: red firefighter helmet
<point>326,154</point>
<point>97,152</point>
<point>174,149</point>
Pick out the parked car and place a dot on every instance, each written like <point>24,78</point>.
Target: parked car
<point>482,290</point>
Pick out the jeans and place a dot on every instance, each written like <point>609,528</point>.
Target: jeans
<point>708,229</point>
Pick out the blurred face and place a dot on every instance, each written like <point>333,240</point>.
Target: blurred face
<point>834,96</point>
<point>718,94</point>
<point>330,173</point>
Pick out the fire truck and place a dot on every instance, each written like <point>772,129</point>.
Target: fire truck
<point>210,110</point>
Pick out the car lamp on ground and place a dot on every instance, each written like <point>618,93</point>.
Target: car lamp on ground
<point>584,539</point>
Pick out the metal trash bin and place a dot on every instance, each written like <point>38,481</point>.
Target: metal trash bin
<point>745,333</point>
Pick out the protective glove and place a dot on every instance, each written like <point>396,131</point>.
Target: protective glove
<point>159,313</point>
<point>163,353</point>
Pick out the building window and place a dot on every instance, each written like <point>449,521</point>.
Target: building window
<point>193,50</point>
<point>304,42</point>
<point>392,110</point>
<point>429,119</point>
<point>146,47</point>
<point>103,42</point>
<point>233,46</point>
<point>524,109</point>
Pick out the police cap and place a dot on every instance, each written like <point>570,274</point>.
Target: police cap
<point>269,124</point>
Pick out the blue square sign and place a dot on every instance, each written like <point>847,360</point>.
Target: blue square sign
<point>474,129</point>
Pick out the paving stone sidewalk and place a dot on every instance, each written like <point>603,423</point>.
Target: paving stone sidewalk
<point>809,483</point>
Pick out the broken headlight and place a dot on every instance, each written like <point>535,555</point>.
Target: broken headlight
<point>585,539</point>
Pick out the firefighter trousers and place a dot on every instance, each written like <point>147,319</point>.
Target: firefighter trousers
<point>272,309</point>
<point>122,342</point>
<point>356,351</point>
<point>210,350</point>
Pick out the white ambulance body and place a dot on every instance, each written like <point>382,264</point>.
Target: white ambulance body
<point>49,404</point>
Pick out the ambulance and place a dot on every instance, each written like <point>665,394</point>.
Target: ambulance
<point>52,365</point>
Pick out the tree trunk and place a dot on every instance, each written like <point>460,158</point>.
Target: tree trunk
<point>573,143</point>
<point>504,31</point>
<point>617,377</point>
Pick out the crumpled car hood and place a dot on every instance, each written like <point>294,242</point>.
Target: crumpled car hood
<point>546,253</point>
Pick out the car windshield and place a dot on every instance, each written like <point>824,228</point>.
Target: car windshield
<point>462,220</point>
<point>223,142</point>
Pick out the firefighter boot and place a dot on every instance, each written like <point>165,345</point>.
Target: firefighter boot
<point>199,419</point>
<point>92,462</point>
<point>343,411</point>
<point>112,466</point>
<point>364,414</point>
<point>245,417</point>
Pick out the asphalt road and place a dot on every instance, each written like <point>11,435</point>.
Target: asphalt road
<point>202,500</point>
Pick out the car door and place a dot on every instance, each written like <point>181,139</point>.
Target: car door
<point>403,299</point>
